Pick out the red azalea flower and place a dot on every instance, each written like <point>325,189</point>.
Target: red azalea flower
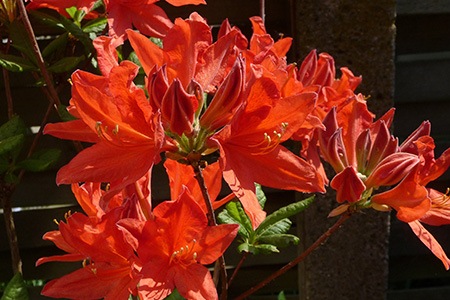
<point>174,246</point>
<point>110,268</point>
<point>130,135</point>
<point>61,6</point>
<point>250,149</point>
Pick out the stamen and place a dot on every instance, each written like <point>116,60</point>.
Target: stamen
<point>270,141</point>
<point>185,254</point>
<point>115,131</point>
<point>442,201</point>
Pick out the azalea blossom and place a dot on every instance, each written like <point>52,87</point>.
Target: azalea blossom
<point>110,268</point>
<point>413,201</point>
<point>129,133</point>
<point>251,150</point>
<point>175,246</point>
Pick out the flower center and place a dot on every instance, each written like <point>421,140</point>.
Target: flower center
<point>271,140</point>
<point>185,255</point>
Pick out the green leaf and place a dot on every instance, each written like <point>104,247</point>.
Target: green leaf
<point>66,64</point>
<point>174,296</point>
<point>234,214</point>
<point>46,19</point>
<point>260,195</point>
<point>75,14</point>
<point>78,33</point>
<point>56,45</point>
<point>4,164</point>
<point>279,227</point>
<point>95,25</point>
<point>281,296</point>
<point>41,160</point>
<point>284,212</point>
<point>258,249</point>
<point>16,63</point>
<point>21,41</point>
<point>14,126</point>
<point>279,240</point>
<point>11,178</point>
<point>16,289</point>
<point>12,144</point>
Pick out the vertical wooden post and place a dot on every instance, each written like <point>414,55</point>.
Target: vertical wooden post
<point>353,264</point>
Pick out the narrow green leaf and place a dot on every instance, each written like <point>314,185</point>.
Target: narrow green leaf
<point>46,18</point>
<point>79,15</point>
<point>12,144</point>
<point>16,63</point>
<point>14,126</point>
<point>4,164</point>
<point>279,240</point>
<point>21,41</point>
<point>16,289</point>
<point>284,212</point>
<point>279,227</point>
<point>78,33</point>
<point>41,160</point>
<point>95,25</point>
<point>257,249</point>
<point>66,64</point>
<point>260,195</point>
<point>56,45</point>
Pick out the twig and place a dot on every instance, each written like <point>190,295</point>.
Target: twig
<point>238,267</point>
<point>211,222</point>
<point>6,191</point>
<point>322,239</point>
<point>38,54</point>
<point>262,10</point>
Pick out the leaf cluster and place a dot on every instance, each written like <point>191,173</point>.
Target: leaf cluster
<point>12,139</point>
<point>271,234</point>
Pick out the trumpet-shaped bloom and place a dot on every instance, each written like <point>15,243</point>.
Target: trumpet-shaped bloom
<point>416,204</point>
<point>61,6</point>
<point>188,53</point>
<point>110,268</point>
<point>362,152</point>
<point>250,149</point>
<point>174,246</point>
<point>130,135</point>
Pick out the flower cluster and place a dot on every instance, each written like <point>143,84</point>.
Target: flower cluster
<point>223,106</point>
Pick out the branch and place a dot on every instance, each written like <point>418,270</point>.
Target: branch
<point>211,222</point>
<point>38,54</point>
<point>322,239</point>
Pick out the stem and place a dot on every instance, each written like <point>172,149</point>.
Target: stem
<point>211,222</point>
<point>322,239</point>
<point>5,199</point>
<point>262,10</point>
<point>8,94</point>
<point>38,54</point>
<point>238,267</point>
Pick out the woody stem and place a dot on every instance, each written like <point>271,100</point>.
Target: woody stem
<point>37,52</point>
<point>322,239</point>
<point>198,174</point>
<point>6,191</point>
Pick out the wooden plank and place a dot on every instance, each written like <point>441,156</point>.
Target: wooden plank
<point>422,77</point>
<point>414,7</point>
<point>437,293</point>
<point>422,33</point>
